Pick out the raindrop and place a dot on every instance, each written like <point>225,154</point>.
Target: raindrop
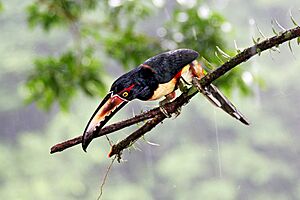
<point>85,61</point>
<point>168,44</point>
<point>187,3</point>
<point>251,21</point>
<point>203,12</point>
<point>247,78</point>
<point>168,16</point>
<point>159,3</point>
<point>182,17</point>
<point>194,33</point>
<point>178,37</point>
<point>161,32</point>
<point>226,27</point>
<point>115,3</point>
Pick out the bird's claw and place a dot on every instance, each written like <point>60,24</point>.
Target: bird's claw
<point>196,83</point>
<point>177,112</point>
<point>183,85</point>
<point>163,109</point>
<point>165,112</point>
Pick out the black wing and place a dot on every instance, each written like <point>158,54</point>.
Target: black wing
<point>166,65</point>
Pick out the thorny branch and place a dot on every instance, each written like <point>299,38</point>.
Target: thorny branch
<point>157,116</point>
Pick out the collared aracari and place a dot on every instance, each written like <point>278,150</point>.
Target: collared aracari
<point>155,78</point>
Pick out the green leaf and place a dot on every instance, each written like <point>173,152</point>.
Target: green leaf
<point>1,7</point>
<point>56,79</point>
<point>260,32</point>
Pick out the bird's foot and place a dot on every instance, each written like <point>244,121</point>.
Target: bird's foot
<point>177,112</point>
<point>162,104</point>
<point>165,112</point>
<point>183,85</point>
<point>196,83</point>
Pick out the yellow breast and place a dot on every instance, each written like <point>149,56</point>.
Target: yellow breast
<point>164,89</point>
<point>191,70</point>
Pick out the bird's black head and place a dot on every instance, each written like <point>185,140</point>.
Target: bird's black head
<point>126,86</point>
<point>138,83</point>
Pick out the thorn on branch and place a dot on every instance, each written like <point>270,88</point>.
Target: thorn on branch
<point>225,55</point>
<point>260,32</point>
<point>273,29</point>
<point>292,18</point>
<point>290,47</point>
<point>209,66</point>
<point>279,25</point>
<point>236,47</point>
<point>218,57</point>
<point>255,41</point>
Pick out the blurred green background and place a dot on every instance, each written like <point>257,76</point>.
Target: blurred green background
<point>59,57</point>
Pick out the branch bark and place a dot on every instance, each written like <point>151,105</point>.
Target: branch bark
<point>157,116</point>
<point>107,130</point>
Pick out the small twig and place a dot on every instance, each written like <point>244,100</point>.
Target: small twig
<point>105,177</point>
<point>109,141</point>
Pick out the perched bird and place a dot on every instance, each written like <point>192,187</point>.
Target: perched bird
<point>155,78</point>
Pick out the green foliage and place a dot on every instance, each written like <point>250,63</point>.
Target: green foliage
<point>202,29</point>
<point>129,48</point>
<point>60,78</point>
<point>57,12</point>
<point>1,7</point>
<point>119,37</point>
<point>202,33</point>
<point>234,78</point>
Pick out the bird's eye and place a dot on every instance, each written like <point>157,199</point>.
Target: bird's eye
<point>125,94</point>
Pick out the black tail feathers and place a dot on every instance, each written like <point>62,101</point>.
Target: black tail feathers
<point>214,95</point>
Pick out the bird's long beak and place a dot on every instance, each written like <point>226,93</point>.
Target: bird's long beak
<point>109,106</point>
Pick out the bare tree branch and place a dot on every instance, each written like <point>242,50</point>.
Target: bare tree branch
<point>107,130</point>
<point>157,116</point>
